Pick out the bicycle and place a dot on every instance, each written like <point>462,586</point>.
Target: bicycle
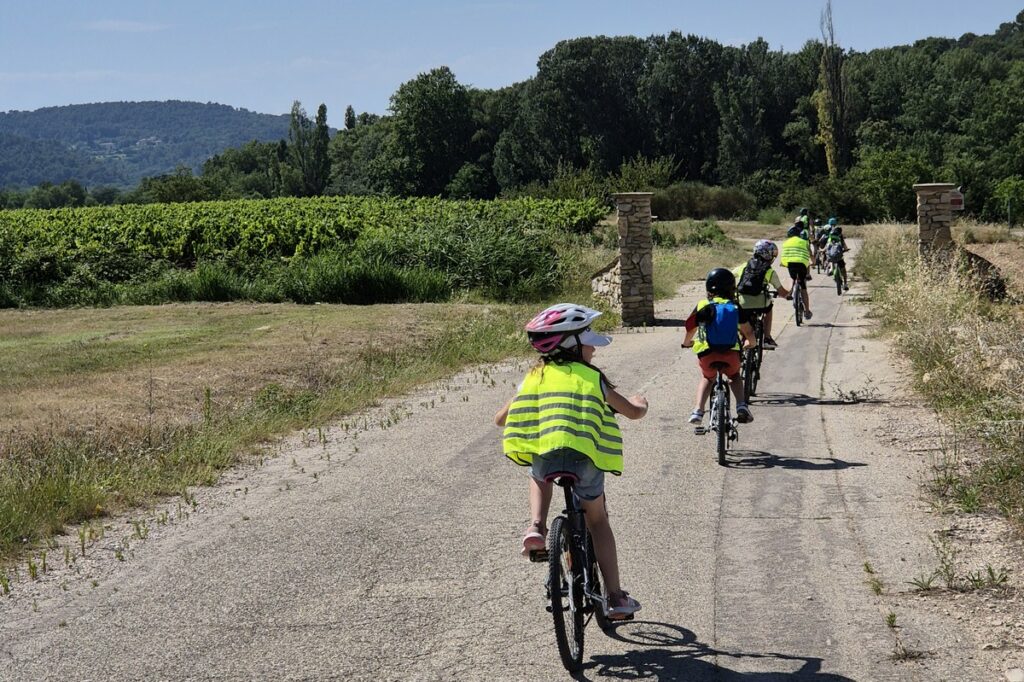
<point>820,259</point>
<point>721,421</point>
<point>837,274</point>
<point>798,301</point>
<point>753,356</point>
<point>574,581</point>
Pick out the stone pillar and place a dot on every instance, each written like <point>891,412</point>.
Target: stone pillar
<point>636,258</point>
<point>934,214</point>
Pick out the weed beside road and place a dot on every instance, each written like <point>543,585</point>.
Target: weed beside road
<point>967,360</point>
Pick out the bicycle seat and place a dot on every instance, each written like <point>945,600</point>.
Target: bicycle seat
<point>562,478</point>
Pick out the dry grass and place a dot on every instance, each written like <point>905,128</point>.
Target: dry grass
<point>123,365</point>
<point>107,409</point>
<point>753,230</point>
<point>967,360</point>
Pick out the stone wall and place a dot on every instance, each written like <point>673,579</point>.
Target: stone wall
<point>635,300</point>
<point>607,284</point>
<point>934,215</point>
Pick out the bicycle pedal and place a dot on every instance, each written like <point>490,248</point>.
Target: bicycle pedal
<point>699,430</point>
<point>539,556</point>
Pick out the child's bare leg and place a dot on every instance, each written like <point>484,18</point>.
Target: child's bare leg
<point>703,392</point>
<point>540,501</point>
<point>596,514</point>
<point>736,384</point>
<point>768,323</point>
<point>807,298</point>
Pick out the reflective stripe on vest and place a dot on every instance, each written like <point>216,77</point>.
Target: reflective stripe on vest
<point>561,406</point>
<point>796,250</point>
<point>700,341</point>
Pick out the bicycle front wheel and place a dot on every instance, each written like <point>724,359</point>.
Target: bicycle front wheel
<point>565,585</point>
<point>749,371</point>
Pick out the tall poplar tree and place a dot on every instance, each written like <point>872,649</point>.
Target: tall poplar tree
<point>830,98</point>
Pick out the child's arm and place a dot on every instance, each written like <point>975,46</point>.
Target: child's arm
<point>691,329</point>
<point>634,407</point>
<point>502,414</point>
<point>688,338</point>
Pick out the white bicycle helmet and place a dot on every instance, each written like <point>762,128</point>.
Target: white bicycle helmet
<point>766,250</point>
<point>565,325</point>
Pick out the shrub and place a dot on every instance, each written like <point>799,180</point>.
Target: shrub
<point>696,200</point>
<point>771,216</point>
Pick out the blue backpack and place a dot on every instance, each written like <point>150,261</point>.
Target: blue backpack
<point>721,325</point>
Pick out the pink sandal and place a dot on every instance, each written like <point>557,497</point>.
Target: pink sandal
<point>534,539</point>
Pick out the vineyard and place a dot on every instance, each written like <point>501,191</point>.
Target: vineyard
<point>337,249</point>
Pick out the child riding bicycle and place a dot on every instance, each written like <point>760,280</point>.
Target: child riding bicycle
<point>713,330</point>
<point>835,250</point>
<point>796,257</point>
<point>753,279</point>
<point>562,421</point>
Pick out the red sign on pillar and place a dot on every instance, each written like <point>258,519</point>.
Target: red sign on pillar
<point>956,200</point>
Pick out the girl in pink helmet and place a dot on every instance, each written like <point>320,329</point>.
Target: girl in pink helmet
<point>562,420</point>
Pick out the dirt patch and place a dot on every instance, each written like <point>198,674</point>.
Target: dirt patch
<point>1008,257</point>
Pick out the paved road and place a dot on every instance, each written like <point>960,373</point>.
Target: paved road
<point>395,558</point>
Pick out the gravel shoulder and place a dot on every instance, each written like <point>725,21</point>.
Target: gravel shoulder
<point>385,547</point>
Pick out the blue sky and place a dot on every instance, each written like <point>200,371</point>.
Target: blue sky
<point>262,55</point>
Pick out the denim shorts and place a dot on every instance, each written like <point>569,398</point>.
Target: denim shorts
<point>591,483</point>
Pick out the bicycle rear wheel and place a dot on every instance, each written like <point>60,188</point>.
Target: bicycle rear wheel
<point>837,275</point>
<point>565,585</point>
<point>722,417</point>
<point>798,304</point>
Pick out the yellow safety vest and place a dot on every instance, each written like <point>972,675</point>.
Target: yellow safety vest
<point>560,405</point>
<point>700,341</point>
<point>796,250</point>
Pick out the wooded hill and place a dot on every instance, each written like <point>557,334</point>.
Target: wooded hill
<point>119,143</point>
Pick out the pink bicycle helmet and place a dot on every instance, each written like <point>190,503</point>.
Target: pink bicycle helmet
<point>564,326</point>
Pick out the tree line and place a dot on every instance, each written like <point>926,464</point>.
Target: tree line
<point>840,131</point>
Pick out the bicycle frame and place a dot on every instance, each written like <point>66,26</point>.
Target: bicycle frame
<point>581,543</point>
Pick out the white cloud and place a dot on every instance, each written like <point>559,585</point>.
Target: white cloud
<point>124,26</point>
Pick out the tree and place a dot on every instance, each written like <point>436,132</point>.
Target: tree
<point>320,174</point>
<point>350,117</point>
<point>300,146</point>
<point>830,97</point>
<point>678,91</point>
<point>432,126</point>
<point>885,180</point>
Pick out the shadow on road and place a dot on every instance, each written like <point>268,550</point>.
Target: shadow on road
<point>759,459</point>
<point>668,322</point>
<point>803,400</point>
<point>671,652</point>
<point>830,325</point>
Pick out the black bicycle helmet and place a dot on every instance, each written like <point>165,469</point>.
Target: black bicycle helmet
<point>795,231</point>
<point>720,282</point>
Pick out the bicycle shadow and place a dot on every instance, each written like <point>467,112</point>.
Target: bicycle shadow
<point>759,459</point>
<point>803,400</point>
<point>671,652</point>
